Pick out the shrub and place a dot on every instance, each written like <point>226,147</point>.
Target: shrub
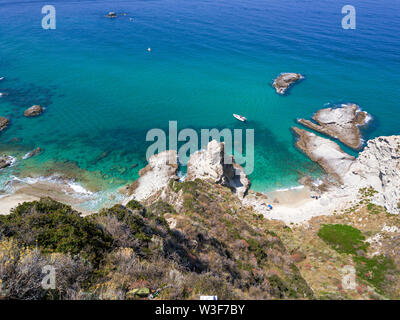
<point>374,270</point>
<point>55,227</point>
<point>134,222</point>
<point>343,238</point>
<point>21,273</point>
<point>134,205</point>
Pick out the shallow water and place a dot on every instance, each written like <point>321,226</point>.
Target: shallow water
<point>103,90</point>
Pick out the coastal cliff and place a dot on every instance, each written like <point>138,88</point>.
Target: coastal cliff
<point>210,165</point>
<point>204,235</point>
<point>376,167</point>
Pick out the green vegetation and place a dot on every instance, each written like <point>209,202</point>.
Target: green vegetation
<point>55,227</point>
<point>134,205</point>
<point>343,238</point>
<point>375,270</point>
<point>346,239</point>
<point>135,223</point>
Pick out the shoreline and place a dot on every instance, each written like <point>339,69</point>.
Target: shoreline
<point>76,194</point>
<point>62,190</point>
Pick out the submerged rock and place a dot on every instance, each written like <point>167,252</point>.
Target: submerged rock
<point>33,153</point>
<point>212,164</point>
<point>33,111</point>
<point>3,123</point>
<point>283,82</point>
<point>341,123</point>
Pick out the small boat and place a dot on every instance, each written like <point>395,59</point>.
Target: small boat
<point>239,117</point>
<point>1,78</point>
<point>111,14</point>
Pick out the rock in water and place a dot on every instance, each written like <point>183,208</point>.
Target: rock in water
<point>33,153</point>
<point>283,82</point>
<point>325,152</point>
<point>212,164</point>
<point>6,161</point>
<point>155,176</point>
<point>3,123</point>
<point>33,111</point>
<point>341,123</point>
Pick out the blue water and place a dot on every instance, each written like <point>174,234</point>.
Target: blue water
<point>103,90</point>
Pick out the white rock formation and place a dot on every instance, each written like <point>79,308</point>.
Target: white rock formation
<point>285,80</point>
<point>325,152</point>
<point>378,166</point>
<point>341,123</point>
<point>155,176</point>
<point>213,165</point>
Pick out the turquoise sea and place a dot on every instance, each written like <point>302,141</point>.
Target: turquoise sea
<point>103,90</point>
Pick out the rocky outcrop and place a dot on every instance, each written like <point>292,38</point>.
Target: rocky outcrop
<point>155,176</point>
<point>213,165</point>
<point>378,166</point>
<point>283,82</point>
<point>33,111</point>
<point>3,123</point>
<point>341,123</point>
<point>325,152</point>
<point>6,161</point>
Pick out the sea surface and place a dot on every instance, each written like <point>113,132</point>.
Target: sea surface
<point>103,90</point>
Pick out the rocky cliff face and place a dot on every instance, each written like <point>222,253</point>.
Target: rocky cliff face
<point>211,164</point>
<point>208,164</point>
<point>155,176</point>
<point>378,166</point>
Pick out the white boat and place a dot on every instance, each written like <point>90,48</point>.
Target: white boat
<point>1,78</point>
<point>239,117</point>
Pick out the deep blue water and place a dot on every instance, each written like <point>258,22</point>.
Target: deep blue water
<point>103,90</point>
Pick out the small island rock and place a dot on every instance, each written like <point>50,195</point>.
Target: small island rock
<point>33,111</point>
<point>3,123</point>
<point>283,82</point>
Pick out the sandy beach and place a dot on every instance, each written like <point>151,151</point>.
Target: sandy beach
<point>31,192</point>
<point>295,206</point>
<point>11,201</point>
